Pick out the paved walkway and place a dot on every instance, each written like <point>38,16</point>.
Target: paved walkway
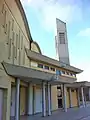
<point>72,114</point>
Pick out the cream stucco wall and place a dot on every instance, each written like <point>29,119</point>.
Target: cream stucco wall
<point>11,47</point>
<point>54,98</point>
<point>34,47</point>
<point>13,36</point>
<point>5,83</point>
<point>74,99</point>
<point>67,99</point>
<point>22,100</point>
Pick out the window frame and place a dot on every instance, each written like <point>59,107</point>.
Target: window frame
<point>46,67</point>
<point>40,64</point>
<point>62,37</point>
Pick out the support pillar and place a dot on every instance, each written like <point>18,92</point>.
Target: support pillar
<point>30,99</point>
<point>51,98</point>
<point>17,102</point>
<point>49,101</point>
<point>43,100</point>
<point>89,93</point>
<point>34,99</point>
<point>64,98</point>
<point>78,97</point>
<point>70,96</point>
<point>82,94</point>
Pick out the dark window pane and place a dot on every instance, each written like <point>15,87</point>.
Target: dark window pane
<point>53,69</point>
<point>72,90</point>
<point>40,65</point>
<point>63,72</point>
<point>62,38</point>
<point>46,67</point>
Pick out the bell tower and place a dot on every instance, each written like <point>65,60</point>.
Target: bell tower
<point>61,42</point>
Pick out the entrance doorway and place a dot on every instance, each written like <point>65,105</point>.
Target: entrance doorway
<point>59,96</point>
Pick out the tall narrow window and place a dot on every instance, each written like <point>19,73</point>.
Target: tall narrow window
<point>24,56</point>
<point>19,40</point>
<point>12,24</point>
<point>13,36</point>
<point>9,24</point>
<point>14,50</point>
<point>9,41</point>
<point>19,57</point>
<point>22,42</point>
<point>62,38</point>
<point>16,45</point>
<point>4,19</point>
<point>5,28</point>
<point>10,48</point>
<point>3,8</point>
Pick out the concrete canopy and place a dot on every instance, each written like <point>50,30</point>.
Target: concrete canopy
<point>79,84</point>
<point>29,74</point>
<point>42,58</point>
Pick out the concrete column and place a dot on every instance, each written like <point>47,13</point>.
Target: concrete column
<point>49,101</point>
<point>43,100</point>
<point>51,97</point>
<point>30,99</point>
<point>70,93</point>
<point>64,98</point>
<point>85,100</point>
<point>34,99</point>
<point>17,102</point>
<point>89,93</point>
<point>78,97</point>
<point>82,94</point>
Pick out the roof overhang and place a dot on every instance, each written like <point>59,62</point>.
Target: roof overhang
<point>79,84</point>
<point>29,74</point>
<point>45,59</point>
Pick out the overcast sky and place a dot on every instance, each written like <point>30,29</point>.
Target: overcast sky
<point>42,14</point>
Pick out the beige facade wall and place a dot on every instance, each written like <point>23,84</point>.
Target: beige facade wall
<point>67,99</point>
<point>74,99</point>
<point>5,83</point>
<point>22,100</point>
<point>13,36</point>
<point>34,48</point>
<point>54,97</point>
<point>13,41</point>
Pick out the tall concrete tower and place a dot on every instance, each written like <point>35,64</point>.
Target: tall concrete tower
<point>61,40</point>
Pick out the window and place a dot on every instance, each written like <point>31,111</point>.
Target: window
<point>68,89</point>
<point>58,87</point>
<point>46,67</point>
<point>63,72</point>
<point>40,65</point>
<point>52,69</point>
<point>12,24</point>
<point>72,90</point>
<point>71,74</point>
<point>62,38</point>
<point>74,75</point>
<point>22,42</point>
<point>67,73</point>
<point>19,40</point>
